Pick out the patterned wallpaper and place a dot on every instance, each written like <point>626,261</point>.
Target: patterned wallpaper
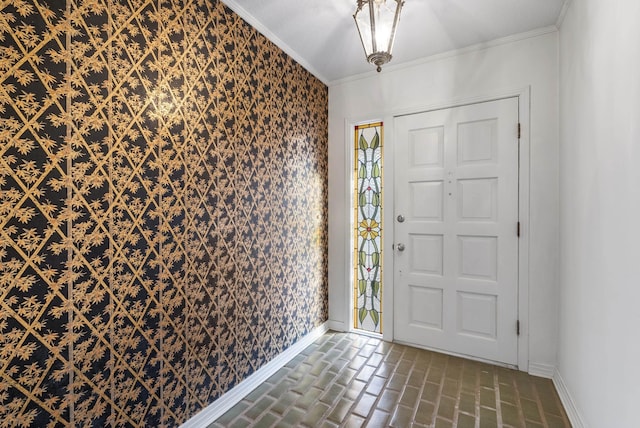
<point>163,206</point>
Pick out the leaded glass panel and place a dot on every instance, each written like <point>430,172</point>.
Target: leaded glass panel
<point>367,251</point>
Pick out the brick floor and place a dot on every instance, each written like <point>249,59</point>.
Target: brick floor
<point>350,380</point>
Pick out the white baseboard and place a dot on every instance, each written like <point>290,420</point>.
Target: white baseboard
<point>542,370</point>
<point>337,326</point>
<point>567,401</point>
<point>216,409</point>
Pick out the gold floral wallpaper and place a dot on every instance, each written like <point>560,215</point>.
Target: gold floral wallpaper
<point>163,195</point>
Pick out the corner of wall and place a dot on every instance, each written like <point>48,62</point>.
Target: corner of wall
<point>542,370</point>
<point>563,13</point>
<point>337,325</point>
<point>567,401</point>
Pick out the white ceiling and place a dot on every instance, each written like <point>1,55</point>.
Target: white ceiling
<point>322,36</point>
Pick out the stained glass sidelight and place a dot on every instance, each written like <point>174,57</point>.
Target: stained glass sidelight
<point>367,251</point>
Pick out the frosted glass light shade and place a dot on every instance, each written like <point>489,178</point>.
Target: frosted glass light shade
<point>377,21</point>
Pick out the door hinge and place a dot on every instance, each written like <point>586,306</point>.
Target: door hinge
<point>518,327</point>
<point>518,229</point>
<point>519,131</point>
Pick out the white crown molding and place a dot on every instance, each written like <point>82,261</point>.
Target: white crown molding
<point>563,13</point>
<point>213,411</point>
<point>262,29</point>
<point>456,52</point>
<point>567,401</point>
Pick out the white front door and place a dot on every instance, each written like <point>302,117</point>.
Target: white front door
<point>456,216</point>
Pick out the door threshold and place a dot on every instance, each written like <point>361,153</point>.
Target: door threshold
<point>366,333</point>
<point>455,354</point>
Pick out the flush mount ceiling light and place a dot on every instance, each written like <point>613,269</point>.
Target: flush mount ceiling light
<point>376,21</point>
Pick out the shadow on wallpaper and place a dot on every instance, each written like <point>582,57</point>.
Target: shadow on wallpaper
<point>163,206</point>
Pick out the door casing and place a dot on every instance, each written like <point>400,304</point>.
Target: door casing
<point>523,95</point>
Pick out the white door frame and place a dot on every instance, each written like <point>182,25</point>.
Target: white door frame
<point>523,95</point>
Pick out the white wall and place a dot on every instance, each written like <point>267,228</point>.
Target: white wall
<point>599,346</point>
<point>476,73</point>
